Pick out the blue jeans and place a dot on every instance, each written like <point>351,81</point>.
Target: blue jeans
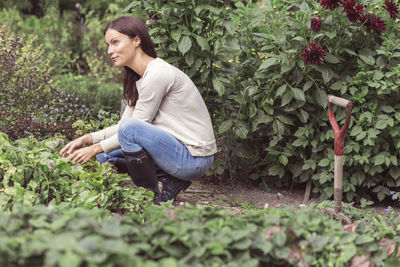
<point>167,152</point>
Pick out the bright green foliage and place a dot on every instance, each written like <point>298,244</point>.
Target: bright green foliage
<point>33,173</point>
<point>206,236</point>
<point>281,104</point>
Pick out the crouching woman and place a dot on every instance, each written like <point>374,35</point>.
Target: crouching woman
<point>165,133</point>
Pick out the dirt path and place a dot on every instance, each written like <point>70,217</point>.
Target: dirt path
<point>252,196</point>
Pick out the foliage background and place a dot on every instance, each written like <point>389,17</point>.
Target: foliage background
<point>269,109</point>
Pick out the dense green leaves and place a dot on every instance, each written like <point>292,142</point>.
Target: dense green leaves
<point>34,173</point>
<point>199,236</point>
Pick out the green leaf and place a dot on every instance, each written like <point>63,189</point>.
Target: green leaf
<point>362,239</point>
<point>381,124</point>
<point>184,44</point>
<point>324,163</point>
<point>348,252</point>
<point>298,94</point>
<point>331,59</point>
<point>279,238</point>
<point>356,130</point>
<point>218,86</point>
<point>285,119</point>
<point>388,109</point>
<point>303,116</point>
<point>366,55</point>
<point>378,75</point>
<point>321,97</point>
<point>287,97</point>
<point>241,130</point>
<point>189,58</point>
<point>203,43</point>
<point>283,159</point>
<point>304,7</point>
<point>307,85</point>
<point>379,159</point>
<point>338,85</point>
<point>70,259</point>
<point>176,35</point>
<point>268,63</point>
<point>225,126</point>
<point>281,90</point>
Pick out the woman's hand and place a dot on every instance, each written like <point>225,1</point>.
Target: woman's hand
<point>78,143</point>
<point>83,155</point>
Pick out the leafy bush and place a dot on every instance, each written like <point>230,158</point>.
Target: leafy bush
<point>72,34</point>
<point>28,103</point>
<point>33,173</point>
<point>92,93</point>
<point>267,93</point>
<point>285,101</point>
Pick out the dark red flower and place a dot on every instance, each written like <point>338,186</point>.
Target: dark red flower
<point>391,8</point>
<point>313,54</point>
<point>353,10</point>
<point>316,24</point>
<point>373,22</point>
<point>330,4</point>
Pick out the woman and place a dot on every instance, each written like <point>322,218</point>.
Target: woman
<point>166,125</point>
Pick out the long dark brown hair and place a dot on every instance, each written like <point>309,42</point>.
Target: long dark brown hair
<point>132,27</point>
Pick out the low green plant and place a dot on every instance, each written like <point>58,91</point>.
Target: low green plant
<point>33,172</point>
<point>194,236</point>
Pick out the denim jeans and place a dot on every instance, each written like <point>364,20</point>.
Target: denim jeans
<point>167,152</point>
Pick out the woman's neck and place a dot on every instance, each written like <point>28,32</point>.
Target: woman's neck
<point>140,63</point>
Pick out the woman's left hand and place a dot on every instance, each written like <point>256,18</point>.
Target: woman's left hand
<point>83,155</point>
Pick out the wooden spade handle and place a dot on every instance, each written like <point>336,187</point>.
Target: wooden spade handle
<point>338,101</point>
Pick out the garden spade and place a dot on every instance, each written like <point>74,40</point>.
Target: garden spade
<point>338,148</point>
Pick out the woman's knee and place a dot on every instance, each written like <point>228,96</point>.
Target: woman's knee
<point>129,127</point>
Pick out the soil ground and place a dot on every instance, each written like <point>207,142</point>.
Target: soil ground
<point>243,196</point>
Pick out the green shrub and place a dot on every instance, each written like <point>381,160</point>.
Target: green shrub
<point>72,34</point>
<point>28,102</point>
<point>271,107</point>
<point>284,102</point>
<point>92,93</point>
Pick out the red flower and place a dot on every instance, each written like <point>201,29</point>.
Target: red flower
<point>372,22</point>
<point>314,53</point>
<point>353,10</point>
<point>330,4</point>
<point>391,8</point>
<point>316,24</point>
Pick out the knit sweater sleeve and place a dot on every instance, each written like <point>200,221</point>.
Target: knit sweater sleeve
<point>108,137</point>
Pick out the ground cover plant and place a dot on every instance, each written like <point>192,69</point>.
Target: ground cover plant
<point>55,212</point>
<point>264,69</point>
<point>32,172</point>
<point>195,236</point>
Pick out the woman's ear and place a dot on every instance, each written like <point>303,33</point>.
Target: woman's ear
<point>136,41</point>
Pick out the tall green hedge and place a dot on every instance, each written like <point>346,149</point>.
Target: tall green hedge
<point>269,107</point>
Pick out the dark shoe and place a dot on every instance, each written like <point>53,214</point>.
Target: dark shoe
<point>171,186</point>
<point>140,168</point>
<point>120,165</point>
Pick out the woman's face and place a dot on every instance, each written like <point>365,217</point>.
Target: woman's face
<point>121,48</point>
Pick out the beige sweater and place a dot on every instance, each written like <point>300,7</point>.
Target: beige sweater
<point>169,100</point>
